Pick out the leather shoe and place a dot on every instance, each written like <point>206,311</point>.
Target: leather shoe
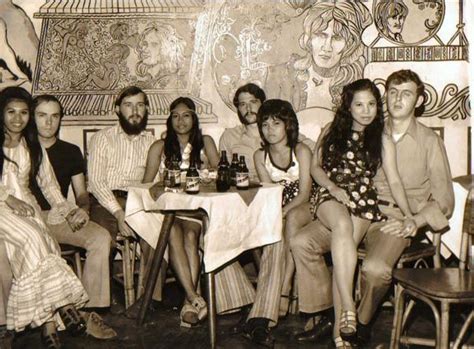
<point>321,329</point>
<point>239,326</point>
<point>260,335</point>
<point>6,338</point>
<point>363,334</point>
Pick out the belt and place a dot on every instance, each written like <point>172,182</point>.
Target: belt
<point>387,203</point>
<point>120,193</point>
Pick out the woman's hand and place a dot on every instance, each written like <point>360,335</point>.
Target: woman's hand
<point>19,207</point>
<point>339,194</point>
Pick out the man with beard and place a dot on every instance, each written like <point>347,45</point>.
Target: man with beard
<point>117,159</point>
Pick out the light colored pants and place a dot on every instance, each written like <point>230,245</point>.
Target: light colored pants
<point>105,219</point>
<point>234,290</point>
<point>96,274</point>
<point>5,283</point>
<point>315,281</point>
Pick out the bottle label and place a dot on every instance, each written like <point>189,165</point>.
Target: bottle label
<point>192,184</point>
<point>176,174</point>
<point>242,179</point>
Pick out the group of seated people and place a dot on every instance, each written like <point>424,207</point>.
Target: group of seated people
<point>369,177</point>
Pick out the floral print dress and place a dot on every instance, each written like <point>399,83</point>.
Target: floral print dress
<point>352,175</point>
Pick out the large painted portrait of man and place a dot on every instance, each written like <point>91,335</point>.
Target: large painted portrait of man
<point>334,56</point>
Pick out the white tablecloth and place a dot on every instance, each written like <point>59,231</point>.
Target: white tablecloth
<point>233,228</point>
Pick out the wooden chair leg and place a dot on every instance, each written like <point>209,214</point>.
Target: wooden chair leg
<point>78,264</point>
<point>141,276</point>
<point>444,338</point>
<point>397,319</point>
<point>293,301</point>
<point>463,330</point>
<point>127,275</point>
<point>211,296</point>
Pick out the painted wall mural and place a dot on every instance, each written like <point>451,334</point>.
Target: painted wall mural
<point>304,51</point>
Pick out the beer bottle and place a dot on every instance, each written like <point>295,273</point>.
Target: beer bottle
<point>233,168</point>
<point>192,179</point>
<point>223,174</point>
<point>168,178</point>
<point>242,175</point>
<point>175,171</point>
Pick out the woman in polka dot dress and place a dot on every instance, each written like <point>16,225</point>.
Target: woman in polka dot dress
<point>349,152</point>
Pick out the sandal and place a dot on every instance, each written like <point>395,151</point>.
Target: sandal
<point>49,336</point>
<point>188,316</point>
<point>340,343</point>
<point>348,325</point>
<point>284,306</point>
<point>201,307</point>
<point>73,321</point>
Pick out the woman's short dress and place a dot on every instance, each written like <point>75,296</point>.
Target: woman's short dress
<point>288,177</point>
<point>351,174</point>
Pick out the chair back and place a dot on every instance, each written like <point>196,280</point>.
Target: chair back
<point>466,256</point>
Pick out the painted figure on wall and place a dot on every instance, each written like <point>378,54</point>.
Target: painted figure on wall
<point>390,17</point>
<point>334,56</point>
<point>106,72</point>
<point>17,52</point>
<point>161,53</point>
<point>73,35</point>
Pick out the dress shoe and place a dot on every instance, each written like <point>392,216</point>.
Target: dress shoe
<point>363,334</point>
<point>256,330</point>
<point>321,329</point>
<point>239,326</point>
<point>6,338</point>
<point>96,327</point>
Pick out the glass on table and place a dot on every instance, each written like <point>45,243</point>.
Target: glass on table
<point>207,175</point>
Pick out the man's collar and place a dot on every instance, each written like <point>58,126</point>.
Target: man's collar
<point>411,130</point>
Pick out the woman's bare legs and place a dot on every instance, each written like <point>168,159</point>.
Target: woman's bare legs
<point>184,255</point>
<point>360,227</point>
<point>295,220</point>
<point>192,231</point>
<point>336,217</point>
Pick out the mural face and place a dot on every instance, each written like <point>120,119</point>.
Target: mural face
<point>327,47</point>
<point>308,72</point>
<point>408,21</point>
<point>144,52</point>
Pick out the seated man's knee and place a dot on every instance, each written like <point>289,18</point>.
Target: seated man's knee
<point>376,271</point>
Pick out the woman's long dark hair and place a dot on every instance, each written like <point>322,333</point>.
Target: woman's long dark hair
<point>283,110</point>
<point>30,133</point>
<point>341,128</point>
<point>195,136</point>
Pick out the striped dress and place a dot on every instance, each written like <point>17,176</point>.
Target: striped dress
<point>42,281</point>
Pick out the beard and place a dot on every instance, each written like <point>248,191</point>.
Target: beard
<point>133,129</point>
<point>243,118</point>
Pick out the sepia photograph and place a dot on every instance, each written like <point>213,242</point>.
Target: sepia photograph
<point>236,174</point>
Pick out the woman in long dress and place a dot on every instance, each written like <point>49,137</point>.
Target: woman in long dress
<point>45,291</point>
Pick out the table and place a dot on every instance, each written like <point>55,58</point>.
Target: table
<point>225,235</point>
